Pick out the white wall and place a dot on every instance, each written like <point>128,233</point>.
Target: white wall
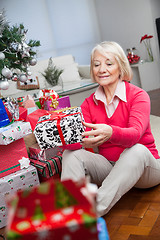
<point>34,16</point>
<point>63,27</point>
<point>74,27</point>
<point>126,21</point>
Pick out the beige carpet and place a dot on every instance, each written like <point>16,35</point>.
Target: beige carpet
<point>155,126</point>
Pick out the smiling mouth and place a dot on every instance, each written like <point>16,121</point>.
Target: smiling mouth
<point>102,77</point>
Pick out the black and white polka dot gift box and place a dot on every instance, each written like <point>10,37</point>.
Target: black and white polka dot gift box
<point>60,128</point>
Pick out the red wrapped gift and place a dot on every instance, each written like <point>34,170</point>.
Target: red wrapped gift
<point>48,168</point>
<point>34,116</point>
<point>10,156</point>
<point>48,94</point>
<point>54,210</point>
<point>43,155</point>
<point>22,114</point>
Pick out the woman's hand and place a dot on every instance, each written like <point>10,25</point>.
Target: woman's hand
<point>99,134</point>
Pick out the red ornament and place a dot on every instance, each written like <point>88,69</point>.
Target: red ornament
<point>132,57</point>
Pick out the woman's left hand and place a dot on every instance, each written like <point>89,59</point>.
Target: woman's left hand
<point>99,134</point>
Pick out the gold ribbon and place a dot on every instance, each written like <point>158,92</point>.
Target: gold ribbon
<point>54,103</point>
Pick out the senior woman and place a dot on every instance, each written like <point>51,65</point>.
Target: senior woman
<point>117,121</point>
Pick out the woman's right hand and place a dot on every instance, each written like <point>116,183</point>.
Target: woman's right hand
<point>99,134</point>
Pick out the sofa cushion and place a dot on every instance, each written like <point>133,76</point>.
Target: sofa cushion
<point>31,83</point>
<point>70,73</point>
<point>62,61</point>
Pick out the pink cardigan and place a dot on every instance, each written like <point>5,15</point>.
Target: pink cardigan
<point>130,122</point>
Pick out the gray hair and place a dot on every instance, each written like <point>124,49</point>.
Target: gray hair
<point>119,54</point>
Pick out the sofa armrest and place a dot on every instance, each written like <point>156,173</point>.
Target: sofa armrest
<point>84,71</point>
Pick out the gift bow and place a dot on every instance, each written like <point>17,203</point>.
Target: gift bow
<point>54,103</point>
<point>58,116</point>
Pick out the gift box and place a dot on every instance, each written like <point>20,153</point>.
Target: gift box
<point>54,210</point>
<point>36,153</point>
<point>56,104</point>
<point>20,101</point>
<point>22,179</point>
<point>22,114</point>
<point>34,116</point>
<point>102,229</point>
<point>11,104</point>
<point>14,131</point>
<point>4,119</point>
<point>60,128</point>
<point>48,168</point>
<point>11,155</point>
<point>47,94</point>
<point>29,104</point>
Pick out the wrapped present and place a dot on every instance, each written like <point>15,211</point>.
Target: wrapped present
<point>22,179</point>
<point>47,94</point>
<point>48,168</point>
<point>34,116</point>
<point>14,131</point>
<point>54,210</point>
<point>29,104</point>
<point>20,101</point>
<point>102,229</point>
<point>11,155</point>
<point>36,153</point>
<point>29,141</point>
<point>12,106</point>
<point>22,114</point>
<point>59,128</point>
<point>56,104</point>
<point>4,119</point>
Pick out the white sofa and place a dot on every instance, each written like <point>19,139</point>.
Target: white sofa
<point>73,75</point>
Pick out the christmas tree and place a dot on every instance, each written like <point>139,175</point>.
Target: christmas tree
<point>16,55</point>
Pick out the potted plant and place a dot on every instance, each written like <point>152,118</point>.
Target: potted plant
<point>52,73</point>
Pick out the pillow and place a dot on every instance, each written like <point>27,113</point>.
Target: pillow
<point>31,83</point>
<point>70,73</point>
<point>62,61</point>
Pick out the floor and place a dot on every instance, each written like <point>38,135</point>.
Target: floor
<point>137,215</point>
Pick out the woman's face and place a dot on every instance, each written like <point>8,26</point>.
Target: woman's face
<point>105,69</point>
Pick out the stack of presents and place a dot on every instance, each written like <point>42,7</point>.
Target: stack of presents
<point>34,203</point>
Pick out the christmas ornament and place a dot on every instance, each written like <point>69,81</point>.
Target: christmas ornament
<point>4,84</point>
<point>133,58</point>
<point>15,77</point>
<point>33,62</point>
<point>6,72</point>
<point>23,78</point>
<point>2,56</point>
<point>15,51</point>
<point>29,73</point>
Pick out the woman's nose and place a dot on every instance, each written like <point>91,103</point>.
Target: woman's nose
<point>102,68</point>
